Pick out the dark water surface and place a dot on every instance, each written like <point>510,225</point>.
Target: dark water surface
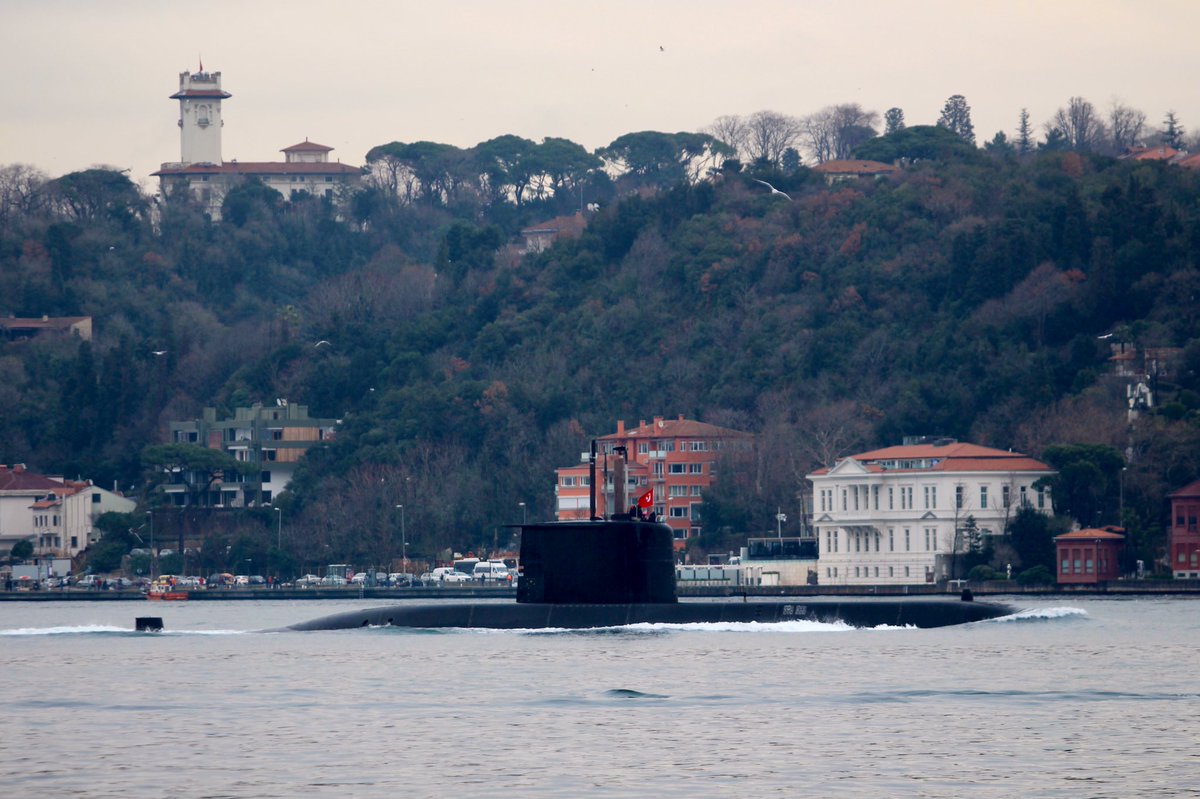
<point>1071,698</point>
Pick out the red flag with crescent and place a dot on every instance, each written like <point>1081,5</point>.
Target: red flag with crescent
<point>646,500</point>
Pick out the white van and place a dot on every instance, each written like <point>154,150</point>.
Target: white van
<point>491,571</point>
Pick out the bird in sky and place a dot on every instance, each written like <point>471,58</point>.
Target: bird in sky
<point>774,190</point>
<point>158,352</point>
<point>321,343</point>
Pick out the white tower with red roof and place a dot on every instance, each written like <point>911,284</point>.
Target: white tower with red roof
<point>200,122</point>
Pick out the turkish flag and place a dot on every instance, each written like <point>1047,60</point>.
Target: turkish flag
<point>646,500</point>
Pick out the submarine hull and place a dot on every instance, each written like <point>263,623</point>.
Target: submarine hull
<point>918,612</point>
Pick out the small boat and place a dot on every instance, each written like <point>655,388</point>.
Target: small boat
<point>165,591</point>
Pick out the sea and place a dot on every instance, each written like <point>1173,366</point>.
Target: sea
<point>1067,697</point>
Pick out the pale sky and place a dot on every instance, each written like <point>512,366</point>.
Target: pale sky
<point>87,82</point>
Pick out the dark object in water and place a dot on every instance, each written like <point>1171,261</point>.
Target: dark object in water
<point>610,573</point>
<point>148,624</point>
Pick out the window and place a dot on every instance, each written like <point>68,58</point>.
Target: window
<point>695,468</point>
<point>265,477</point>
<point>891,571</point>
<point>95,499</point>
<point>905,571</point>
<point>983,496</point>
<point>677,468</point>
<point>1024,498</point>
<point>844,498</point>
<point>958,497</point>
<point>658,469</point>
<point>875,497</point>
<point>679,513</point>
<point>677,491</point>
<point>1004,495</point>
<point>1066,566</point>
<point>1041,499</point>
<point>907,541</point>
<point>568,482</point>
<point>695,491</point>
<point>643,447</point>
<point>891,539</point>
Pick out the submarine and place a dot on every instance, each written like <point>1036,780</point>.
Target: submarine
<point>619,571</point>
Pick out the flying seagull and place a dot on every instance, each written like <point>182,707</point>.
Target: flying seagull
<point>321,343</point>
<point>158,352</point>
<point>774,190</point>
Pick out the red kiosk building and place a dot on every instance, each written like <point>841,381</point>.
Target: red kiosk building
<point>1089,556</point>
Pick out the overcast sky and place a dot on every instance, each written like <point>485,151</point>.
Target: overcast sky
<point>87,82</point>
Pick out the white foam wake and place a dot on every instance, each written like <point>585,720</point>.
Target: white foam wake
<point>1044,614</point>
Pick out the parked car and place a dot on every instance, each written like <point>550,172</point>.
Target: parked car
<point>307,581</point>
<point>257,579</point>
<point>333,579</point>
<point>87,581</point>
<point>492,571</point>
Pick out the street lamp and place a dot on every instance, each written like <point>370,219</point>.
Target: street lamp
<point>522,504</point>
<point>403,541</point>
<point>153,551</point>
<point>279,529</point>
<point>780,518</point>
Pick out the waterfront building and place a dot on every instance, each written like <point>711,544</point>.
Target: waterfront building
<point>202,172</point>
<point>1091,556</point>
<point>272,437</point>
<point>57,516</point>
<point>1184,544</point>
<point>677,459</point>
<point>904,514</point>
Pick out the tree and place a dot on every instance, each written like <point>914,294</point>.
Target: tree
<point>1029,533</point>
<point>733,131</point>
<point>198,468</point>
<point>507,164</point>
<point>1088,481</point>
<point>1024,134</point>
<point>836,130</point>
<point>893,120</point>
<point>1125,126</point>
<point>651,157</point>
<point>22,550</point>
<point>999,144</point>
<point>1080,125</point>
<point>919,142</point>
<point>956,117</point>
<point>1172,132</point>
<point>768,136</point>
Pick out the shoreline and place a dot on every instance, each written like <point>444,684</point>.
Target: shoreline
<point>992,588</point>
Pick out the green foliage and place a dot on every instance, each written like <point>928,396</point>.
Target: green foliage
<point>917,143</point>
<point>1087,485</point>
<point>22,550</point>
<point>1038,575</point>
<point>1029,533</point>
<point>981,573</point>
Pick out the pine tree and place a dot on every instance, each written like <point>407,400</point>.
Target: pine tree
<point>1024,134</point>
<point>956,117</point>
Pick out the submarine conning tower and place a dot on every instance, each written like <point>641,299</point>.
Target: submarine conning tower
<point>617,561</point>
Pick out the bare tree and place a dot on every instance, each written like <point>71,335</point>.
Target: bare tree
<point>768,135</point>
<point>834,131</point>
<point>1125,126</point>
<point>1079,124</point>
<point>732,130</point>
<point>20,190</point>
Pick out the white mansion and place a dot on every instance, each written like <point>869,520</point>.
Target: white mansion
<point>202,172</point>
<point>897,515</point>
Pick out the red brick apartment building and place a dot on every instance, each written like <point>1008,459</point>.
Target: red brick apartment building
<point>1184,545</point>
<point>676,458</point>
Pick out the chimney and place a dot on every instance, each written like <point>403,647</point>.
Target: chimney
<point>620,427</point>
<point>658,422</point>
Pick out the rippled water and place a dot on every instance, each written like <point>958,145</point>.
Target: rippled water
<point>1071,698</point>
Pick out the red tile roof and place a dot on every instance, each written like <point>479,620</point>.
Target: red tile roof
<point>677,428</point>
<point>306,146</point>
<point>1191,162</point>
<point>854,167</point>
<point>1091,534</point>
<point>19,479</point>
<point>955,457</point>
